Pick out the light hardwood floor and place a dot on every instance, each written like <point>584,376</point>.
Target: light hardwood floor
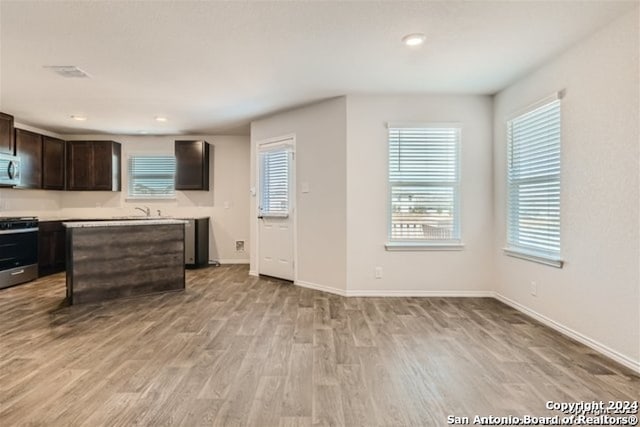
<point>238,350</point>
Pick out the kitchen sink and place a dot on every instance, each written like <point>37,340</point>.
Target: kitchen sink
<point>140,217</point>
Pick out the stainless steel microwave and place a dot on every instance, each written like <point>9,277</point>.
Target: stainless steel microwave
<point>9,170</point>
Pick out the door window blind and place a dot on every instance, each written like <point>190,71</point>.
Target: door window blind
<point>533,223</point>
<point>152,176</point>
<point>274,182</point>
<point>423,182</point>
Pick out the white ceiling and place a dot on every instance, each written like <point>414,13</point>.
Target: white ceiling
<point>213,66</point>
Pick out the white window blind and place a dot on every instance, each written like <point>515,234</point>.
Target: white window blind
<point>152,176</point>
<point>274,182</point>
<point>424,184</point>
<point>533,224</point>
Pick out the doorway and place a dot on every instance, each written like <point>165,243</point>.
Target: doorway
<point>276,208</point>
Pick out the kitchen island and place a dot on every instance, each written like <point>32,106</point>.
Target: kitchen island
<point>116,259</point>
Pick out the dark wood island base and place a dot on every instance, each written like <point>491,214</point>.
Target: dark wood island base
<point>117,259</point>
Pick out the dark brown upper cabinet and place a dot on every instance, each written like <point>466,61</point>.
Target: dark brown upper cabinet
<point>29,149</point>
<point>192,165</point>
<point>53,151</point>
<point>93,166</point>
<point>7,141</point>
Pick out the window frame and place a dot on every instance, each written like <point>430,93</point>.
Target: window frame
<point>396,244</point>
<point>133,197</point>
<point>264,150</point>
<point>522,252</point>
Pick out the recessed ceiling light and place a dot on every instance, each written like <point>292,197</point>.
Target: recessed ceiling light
<point>414,39</point>
<point>79,118</point>
<point>161,119</point>
<point>143,132</point>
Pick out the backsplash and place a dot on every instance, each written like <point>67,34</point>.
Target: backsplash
<point>28,202</point>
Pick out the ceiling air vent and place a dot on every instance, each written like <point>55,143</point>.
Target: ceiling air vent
<point>68,71</point>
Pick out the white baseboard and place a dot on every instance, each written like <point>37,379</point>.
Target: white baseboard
<point>634,365</point>
<point>419,293</point>
<point>392,293</point>
<point>323,288</point>
<point>233,261</point>
<point>253,273</point>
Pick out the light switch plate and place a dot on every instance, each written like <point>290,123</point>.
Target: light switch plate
<point>304,187</point>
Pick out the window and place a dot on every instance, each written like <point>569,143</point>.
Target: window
<point>152,177</point>
<point>533,180</point>
<point>274,182</point>
<point>424,186</point>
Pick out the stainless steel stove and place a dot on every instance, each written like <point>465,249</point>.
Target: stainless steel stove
<point>18,250</point>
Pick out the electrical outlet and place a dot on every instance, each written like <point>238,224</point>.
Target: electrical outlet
<point>378,272</point>
<point>534,289</point>
<point>239,245</point>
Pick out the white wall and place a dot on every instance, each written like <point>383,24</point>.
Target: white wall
<point>467,271</point>
<point>596,294</point>
<point>342,155</point>
<point>226,202</point>
<point>320,131</point>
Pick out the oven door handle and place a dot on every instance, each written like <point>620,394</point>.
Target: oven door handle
<point>15,273</point>
<point>19,230</point>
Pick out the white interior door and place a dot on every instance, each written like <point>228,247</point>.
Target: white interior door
<point>275,210</point>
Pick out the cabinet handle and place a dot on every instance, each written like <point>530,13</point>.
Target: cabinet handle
<point>13,170</point>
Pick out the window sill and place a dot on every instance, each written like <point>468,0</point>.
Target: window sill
<point>529,256</point>
<point>273,215</point>
<point>423,246</point>
<point>150,199</point>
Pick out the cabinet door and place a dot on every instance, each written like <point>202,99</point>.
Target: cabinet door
<point>102,165</point>
<point>80,165</point>
<point>45,251</point>
<point>7,140</point>
<point>60,247</point>
<point>29,149</point>
<point>52,163</point>
<point>51,247</point>
<point>192,165</point>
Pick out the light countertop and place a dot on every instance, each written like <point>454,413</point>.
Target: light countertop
<point>115,218</point>
<point>120,223</point>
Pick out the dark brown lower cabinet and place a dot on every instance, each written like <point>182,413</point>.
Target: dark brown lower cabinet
<point>51,247</point>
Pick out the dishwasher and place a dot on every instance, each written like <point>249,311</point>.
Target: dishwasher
<point>196,242</point>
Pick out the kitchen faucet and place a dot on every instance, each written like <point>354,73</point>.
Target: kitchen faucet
<point>146,210</point>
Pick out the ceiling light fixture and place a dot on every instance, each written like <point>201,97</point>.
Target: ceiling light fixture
<point>161,119</point>
<point>414,39</point>
<point>79,118</point>
<point>68,71</point>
